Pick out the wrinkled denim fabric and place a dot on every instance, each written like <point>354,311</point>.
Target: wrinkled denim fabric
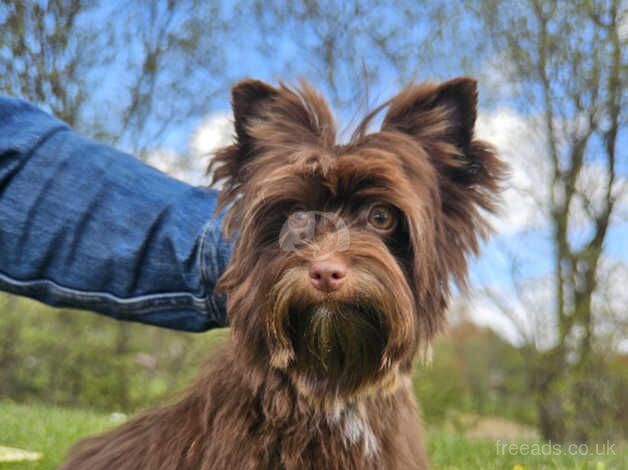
<point>85,226</point>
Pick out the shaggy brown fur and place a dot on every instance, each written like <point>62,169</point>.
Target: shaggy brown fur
<point>316,379</point>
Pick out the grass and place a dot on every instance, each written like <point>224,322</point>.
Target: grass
<point>45,429</point>
<point>451,451</point>
<point>52,430</point>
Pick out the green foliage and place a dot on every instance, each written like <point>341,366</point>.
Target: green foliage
<point>77,359</point>
<point>591,404</point>
<point>473,370</point>
<point>82,360</point>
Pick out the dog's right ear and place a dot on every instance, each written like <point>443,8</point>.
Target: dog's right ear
<point>249,100</point>
<point>272,121</point>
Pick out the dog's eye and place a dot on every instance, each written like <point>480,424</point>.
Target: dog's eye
<point>382,218</point>
<point>299,220</point>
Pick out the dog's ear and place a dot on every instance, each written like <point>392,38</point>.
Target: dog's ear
<point>271,124</point>
<point>428,111</point>
<point>273,121</point>
<point>441,119</point>
<point>249,100</point>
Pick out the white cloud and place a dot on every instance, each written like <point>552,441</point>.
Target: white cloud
<point>520,140</point>
<point>172,163</point>
<point>214,132</point>
<point>522,148</point>
<point>483,312</point>
<point>520,314</point>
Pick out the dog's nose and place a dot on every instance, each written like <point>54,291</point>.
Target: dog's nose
<point>328,275</point>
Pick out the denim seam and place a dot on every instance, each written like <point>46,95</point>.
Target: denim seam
<point>205,275</point>
<point>139,305</point>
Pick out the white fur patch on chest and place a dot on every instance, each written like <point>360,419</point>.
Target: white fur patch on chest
<point>355,428</point>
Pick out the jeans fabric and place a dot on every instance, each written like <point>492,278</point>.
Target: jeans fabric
<point>85,226</point>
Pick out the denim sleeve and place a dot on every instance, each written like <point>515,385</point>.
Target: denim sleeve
<point>85,226</point>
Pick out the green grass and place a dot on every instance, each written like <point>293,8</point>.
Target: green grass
<point>47,430</point>
<point>454,451</point>
<point>52,430</point>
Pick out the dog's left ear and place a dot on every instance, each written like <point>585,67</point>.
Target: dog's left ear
<point>429,111</point>
<point>441,119</point>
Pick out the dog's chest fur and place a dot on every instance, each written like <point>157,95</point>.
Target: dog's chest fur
<point>353,421</point>
<point>286,433</point>
<point>229,423</point>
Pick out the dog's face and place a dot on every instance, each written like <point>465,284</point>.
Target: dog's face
<point>345,253</point>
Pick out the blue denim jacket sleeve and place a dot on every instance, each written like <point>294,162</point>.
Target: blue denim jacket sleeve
<point>85,226</point>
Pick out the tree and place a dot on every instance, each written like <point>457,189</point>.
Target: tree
<point>569,58</point>
<point>353,46</point>
<point>79,57</point>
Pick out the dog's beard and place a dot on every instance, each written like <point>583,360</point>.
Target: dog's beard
<point>337,345</point>
<point>343,342</point>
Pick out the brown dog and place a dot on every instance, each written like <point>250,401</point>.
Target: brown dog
<point>339,279</point>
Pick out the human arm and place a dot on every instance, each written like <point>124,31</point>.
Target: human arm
<point>85,226</point>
